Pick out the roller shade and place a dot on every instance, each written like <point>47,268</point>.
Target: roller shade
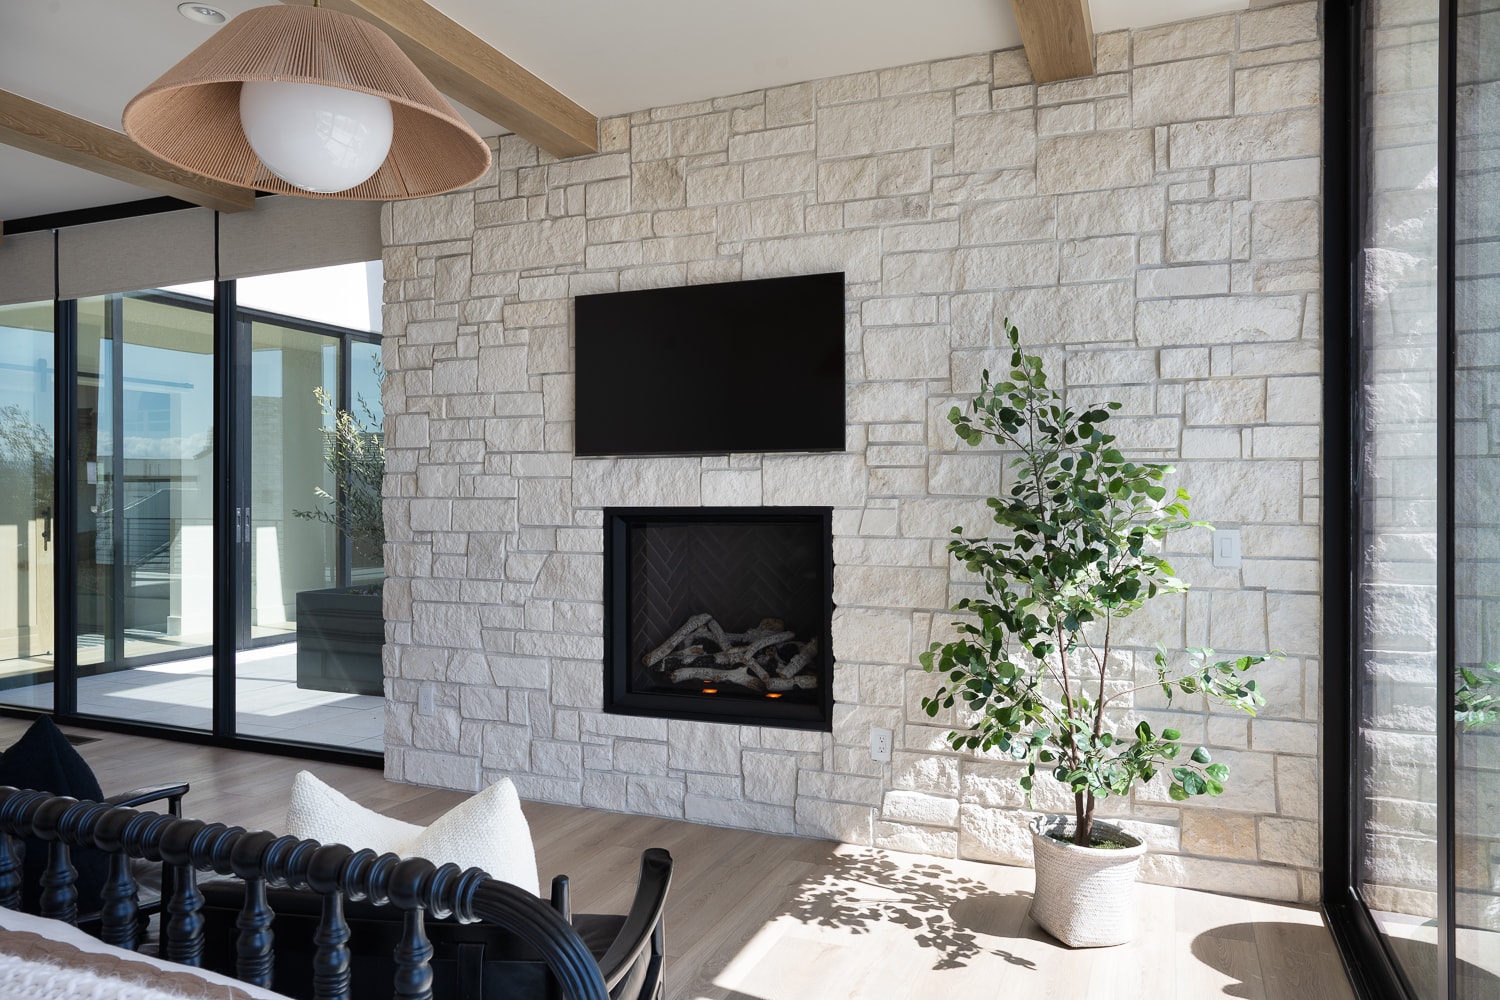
<point>26,268</point>
<point>293,234</point>
<point>148,251</point>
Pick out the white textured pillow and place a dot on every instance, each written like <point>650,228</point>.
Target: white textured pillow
<point>486,831</point>
<point>317,812</point>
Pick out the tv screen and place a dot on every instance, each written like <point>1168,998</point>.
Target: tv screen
<point>711,369</point>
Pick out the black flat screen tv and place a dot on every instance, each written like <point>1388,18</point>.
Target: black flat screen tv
<point>741,366</point>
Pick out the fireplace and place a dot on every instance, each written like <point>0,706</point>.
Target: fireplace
<point>719,614</point>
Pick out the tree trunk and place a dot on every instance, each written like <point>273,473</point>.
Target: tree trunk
<point>1083,809</point>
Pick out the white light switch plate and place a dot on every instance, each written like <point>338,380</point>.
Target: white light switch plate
<point>1227,548</point>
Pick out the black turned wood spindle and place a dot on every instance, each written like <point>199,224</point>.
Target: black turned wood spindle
<point>119,899</point>
<point>284,861</point>
<point>184,925</point>
<point>331,961</point>
<point>120,905</point>
<point>332,972</point>
<point>214,846</point>
<point>254,957</point>
<point>59,899</point>
<point>413,951</point>
<point>413,958</point>
<point>17,810</point>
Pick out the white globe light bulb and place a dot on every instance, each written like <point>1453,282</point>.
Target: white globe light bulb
<point>320,139</point>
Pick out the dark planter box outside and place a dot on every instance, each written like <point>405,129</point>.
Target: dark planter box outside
<point>339,636</point>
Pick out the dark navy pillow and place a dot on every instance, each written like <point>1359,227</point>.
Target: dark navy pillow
<point>44,759</point>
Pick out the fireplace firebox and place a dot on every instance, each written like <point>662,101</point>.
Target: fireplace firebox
<point>720,614</point>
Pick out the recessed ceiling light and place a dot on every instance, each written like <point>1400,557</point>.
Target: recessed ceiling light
<point>202,13</point>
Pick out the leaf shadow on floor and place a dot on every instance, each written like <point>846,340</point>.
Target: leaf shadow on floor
<point>957,917</point>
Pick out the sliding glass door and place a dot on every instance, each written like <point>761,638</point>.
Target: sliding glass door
<point>1474,673</point>
<point>1400,357</point>
<point>1413,874</point>
<point>308,653</point>
<point>165,424</point>
<point>143,482</point>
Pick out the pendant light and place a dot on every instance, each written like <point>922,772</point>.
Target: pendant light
<point>307,101</point>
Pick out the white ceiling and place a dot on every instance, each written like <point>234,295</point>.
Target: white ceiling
<point>89,57</point>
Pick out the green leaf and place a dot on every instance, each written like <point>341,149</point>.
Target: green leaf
<point>1201,756</point>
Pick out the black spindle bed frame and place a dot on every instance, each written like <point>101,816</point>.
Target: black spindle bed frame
<point>337,873</point>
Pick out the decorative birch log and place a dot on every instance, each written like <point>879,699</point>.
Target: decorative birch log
<point>754,659</point>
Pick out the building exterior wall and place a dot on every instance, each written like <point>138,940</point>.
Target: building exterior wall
<point>1154,232</point>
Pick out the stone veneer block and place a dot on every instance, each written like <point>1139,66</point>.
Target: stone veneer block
<point>895,123</point>
<point>1278,136</point>
<point>1182,91</point>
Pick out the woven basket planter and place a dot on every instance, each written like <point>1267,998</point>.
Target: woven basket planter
<point>1085,896</point>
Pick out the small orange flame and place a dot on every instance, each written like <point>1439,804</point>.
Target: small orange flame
<point>710,690</point>
<point>773,694</point>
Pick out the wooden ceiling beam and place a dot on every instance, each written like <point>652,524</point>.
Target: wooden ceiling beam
<point>469,70</point>
<point>57,135</point>
<point>1059,37</point>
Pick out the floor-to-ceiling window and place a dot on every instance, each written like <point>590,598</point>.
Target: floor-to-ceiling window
<point>1414,847</point>
<point>195,471</point>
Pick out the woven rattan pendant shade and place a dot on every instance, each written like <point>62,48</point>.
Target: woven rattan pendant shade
<point>191,116</point>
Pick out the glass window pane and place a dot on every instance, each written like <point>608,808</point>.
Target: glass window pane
<point>366,514</point>
<point>28,509</point>
<point>1397,799</point>
<point>145,486</point>
<point>1477,505</point>
<point>292,549</point>
<point>309,669</point>
<point>347,296</point>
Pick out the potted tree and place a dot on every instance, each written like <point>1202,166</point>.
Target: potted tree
<point>340,630</point>
<point>1035,667</point>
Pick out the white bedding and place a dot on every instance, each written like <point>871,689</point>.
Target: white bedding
<point>40,960</point>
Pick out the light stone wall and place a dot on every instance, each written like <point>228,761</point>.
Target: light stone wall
<point>1153,230</point>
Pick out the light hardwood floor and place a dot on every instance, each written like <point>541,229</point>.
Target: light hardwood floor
<point>759,917</point>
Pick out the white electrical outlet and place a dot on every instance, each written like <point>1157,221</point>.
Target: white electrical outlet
<point>425,704</point>
<point>880,745</point>
<point>1227,548</point>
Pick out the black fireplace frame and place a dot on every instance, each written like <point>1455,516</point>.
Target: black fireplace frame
<point>619,700</point>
